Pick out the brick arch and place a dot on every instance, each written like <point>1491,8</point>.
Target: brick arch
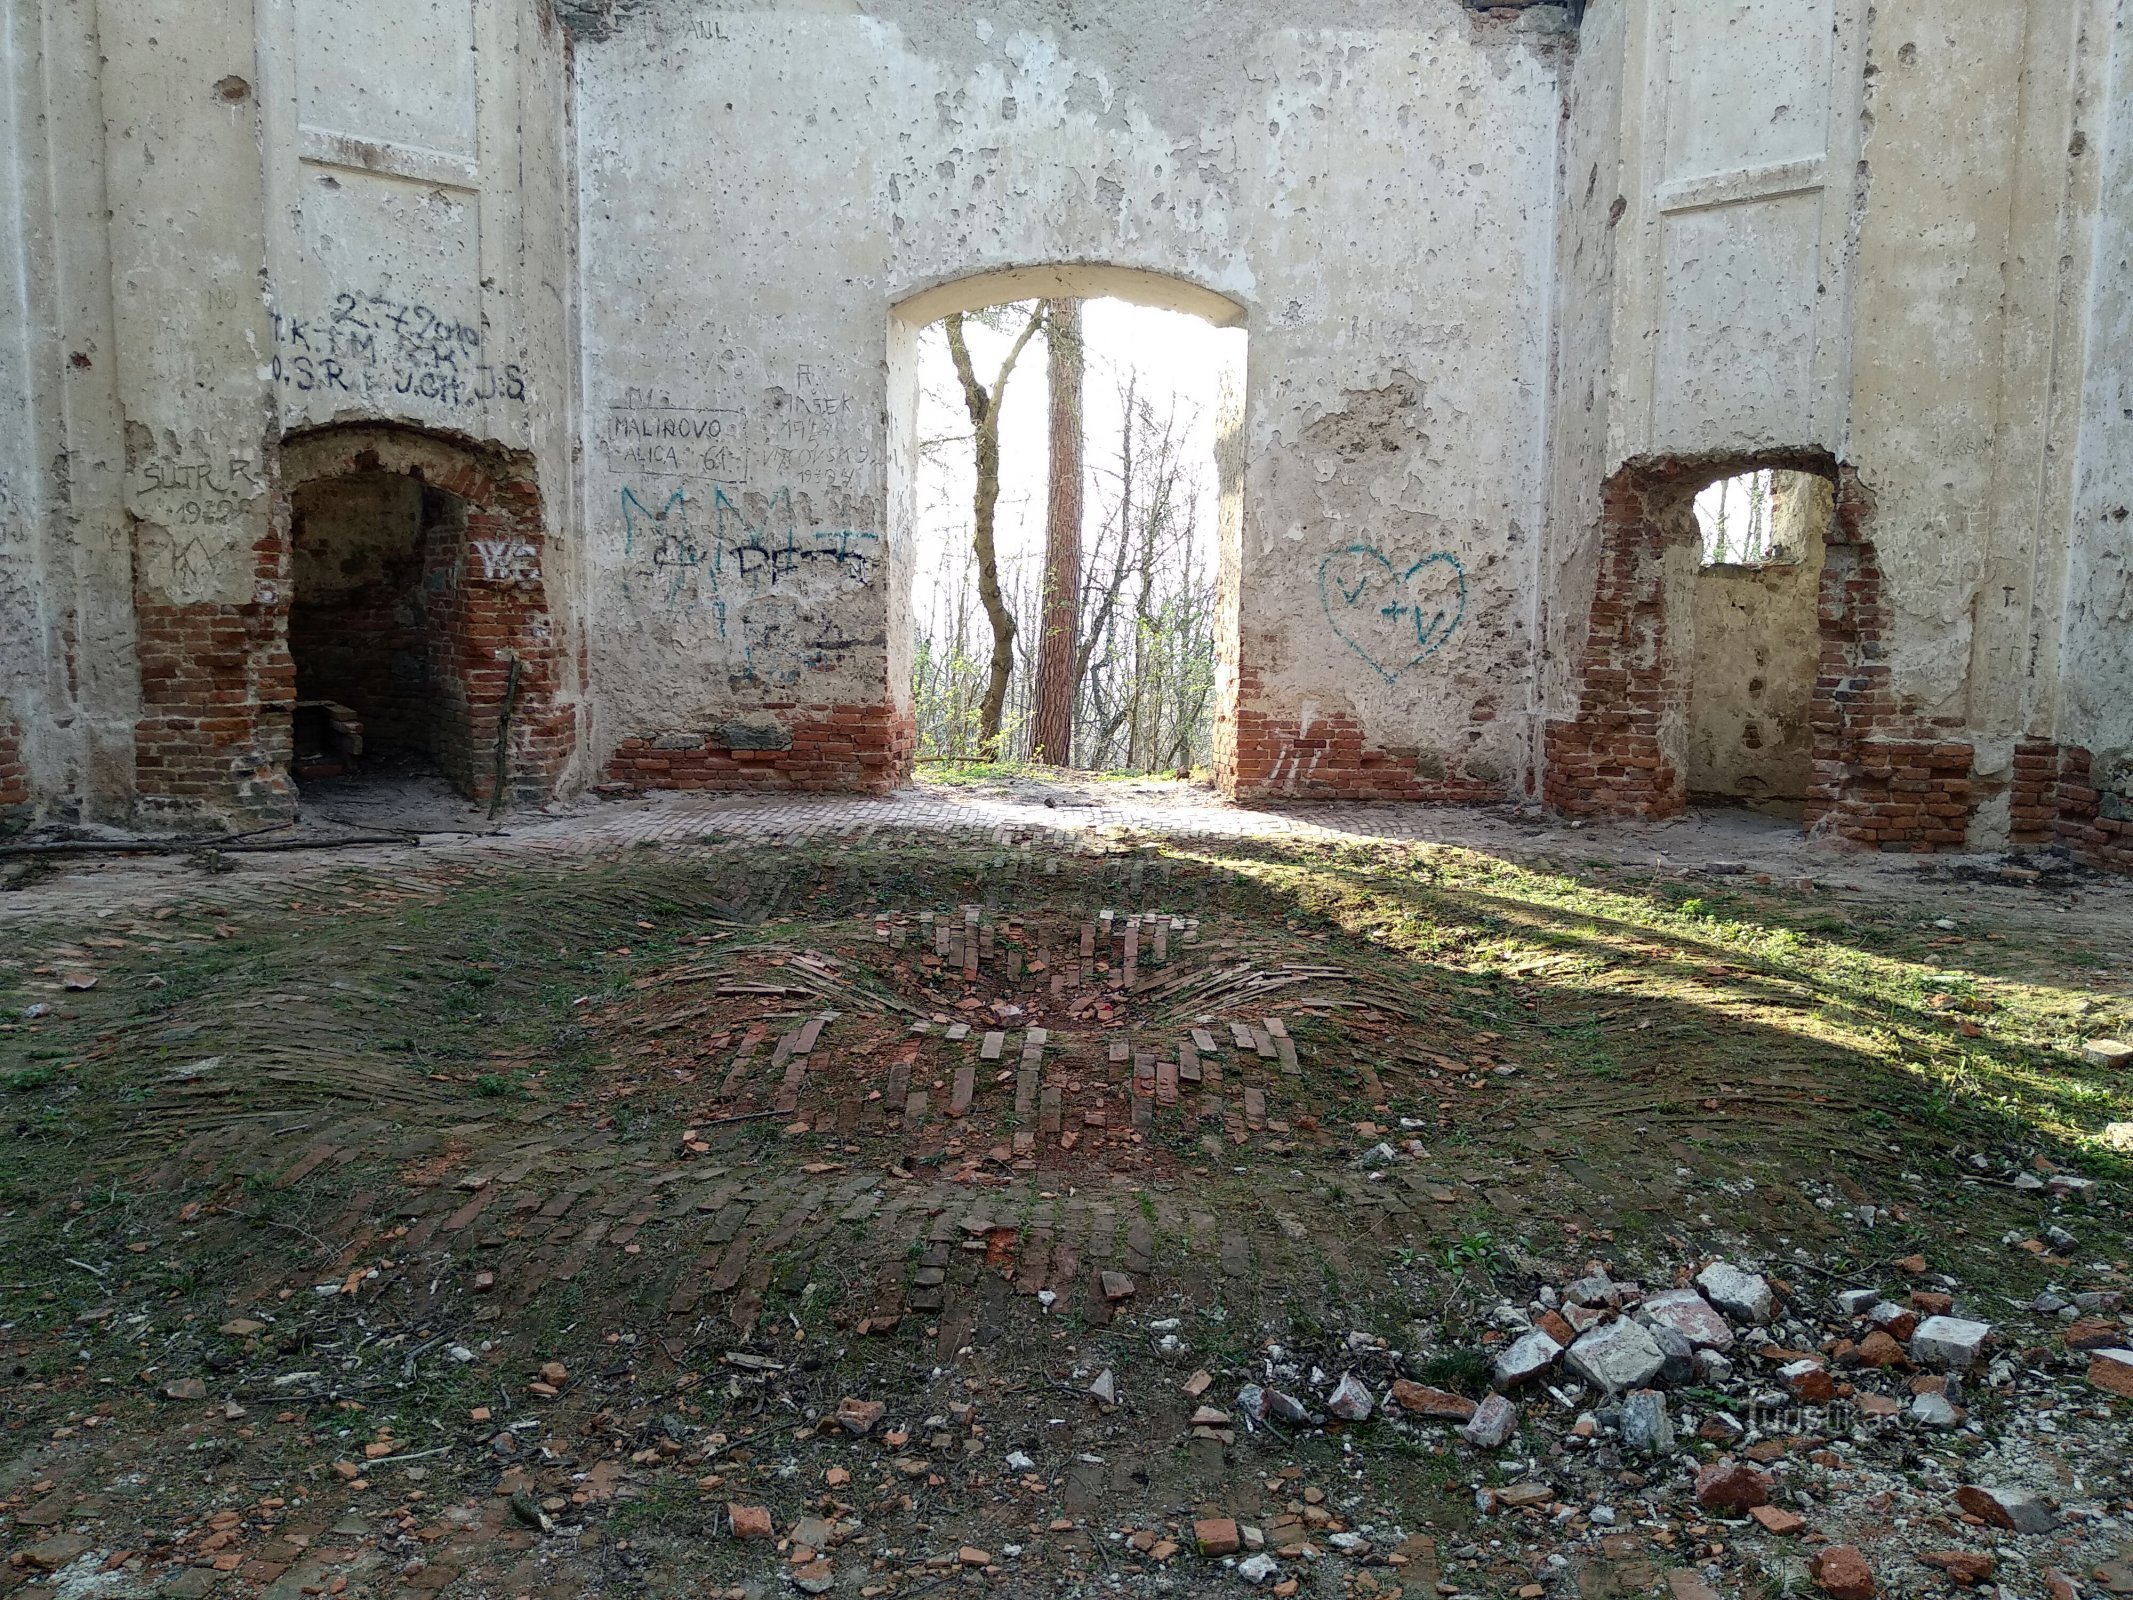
<point>489,592</point>
<point>1880,777</point>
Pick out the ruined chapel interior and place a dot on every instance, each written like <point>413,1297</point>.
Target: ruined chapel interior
<point>1597,1062</point>
<point>1520,280</point>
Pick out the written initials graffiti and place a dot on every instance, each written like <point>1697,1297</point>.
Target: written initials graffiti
<point>650,437</point>
<point>817,431</point>
<point>376,346</point>
<point>191,494</point>
<point>508,561</point>
<point>1391,614</point>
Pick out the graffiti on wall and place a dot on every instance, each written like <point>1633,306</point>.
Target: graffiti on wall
<point>647,435</point>
<point>187,493</point>
<point>745,524</point>
<point>375,347</point>
<point>763,567</point>
<point>1391,616</point>
<point>508,561</point>
<point>811,431</point>
<point>192,539</point>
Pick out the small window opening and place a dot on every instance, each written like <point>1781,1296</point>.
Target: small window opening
<point>1756,519</point>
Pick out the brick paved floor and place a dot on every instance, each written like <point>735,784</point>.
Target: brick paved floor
<point>313,1147</point>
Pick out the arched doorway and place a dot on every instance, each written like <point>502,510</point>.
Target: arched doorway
<point>1063,288</point>
<point>418,617</point>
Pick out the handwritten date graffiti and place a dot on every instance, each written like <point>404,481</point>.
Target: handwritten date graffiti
<point>1393,617</point>
<point>374,345</point>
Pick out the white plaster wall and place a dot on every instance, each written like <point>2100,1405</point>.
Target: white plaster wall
<point>23,642</point>
<point>1980,188</point>
<point>1901,236</point>
<point>2097,666</point>
<point>1371,181</point>
<point>422,152</point>
<point>1731,325</point>
<point>187,240</point>
<point>1593,199</point>
<point>190,188</point>
<point>1876,231</point>
<point>406,139</point>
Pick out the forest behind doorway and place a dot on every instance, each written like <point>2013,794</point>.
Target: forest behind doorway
<point>1068,534</point>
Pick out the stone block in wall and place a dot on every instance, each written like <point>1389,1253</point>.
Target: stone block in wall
<point>1544,15</point>
<point>751,735</point>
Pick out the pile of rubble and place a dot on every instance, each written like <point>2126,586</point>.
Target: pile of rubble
<point>1731,1404</point>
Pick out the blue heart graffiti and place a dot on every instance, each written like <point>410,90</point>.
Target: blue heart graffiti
<point>1392,619</point>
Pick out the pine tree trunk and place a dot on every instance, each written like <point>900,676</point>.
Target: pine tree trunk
<point>1052,719</point>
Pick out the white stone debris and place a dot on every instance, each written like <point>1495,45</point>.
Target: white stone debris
<point>1952,1343</point>
<point>1744,1296</point>
<point>1691,1316</point>
<point>1527,1358</point>
<point>1350,1400</point>
<point>1619,1356</point>
<point>1492,1424</point>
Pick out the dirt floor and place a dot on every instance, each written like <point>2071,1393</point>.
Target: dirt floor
<point>968,1203</point>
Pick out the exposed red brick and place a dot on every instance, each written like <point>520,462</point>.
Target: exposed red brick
<point>1880,779</point>
<point>2073,809</point>
<point>14,771</point>
<point>867,748</point>
<point>217,680</point>
<point>1264,753</point>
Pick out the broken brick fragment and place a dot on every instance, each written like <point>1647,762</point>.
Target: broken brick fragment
<point>1965,1567</point>
<point>1422,1401</point>
<point>859,1417</point>
<point>2112,1371</point>
<point>1216,1536</point>
<point>749,1522</point>
<point>1841,1572</point>
<point>1730,1486</point>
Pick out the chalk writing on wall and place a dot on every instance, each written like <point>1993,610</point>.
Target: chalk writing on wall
<point>194,493</point>
<point>817,431</point>
<point>1392,616</point>
<point>508,561</point>
<point>646,435</point>
<point>387,350</point>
